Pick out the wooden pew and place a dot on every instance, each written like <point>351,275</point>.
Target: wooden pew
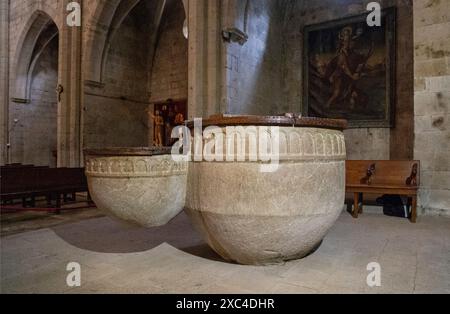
<point>383,177</point>
<point>30,182</point>
<point>15,166</point>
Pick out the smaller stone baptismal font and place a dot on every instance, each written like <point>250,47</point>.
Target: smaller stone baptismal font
<point>143,186</point>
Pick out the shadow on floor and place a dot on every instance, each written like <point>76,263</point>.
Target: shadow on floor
<point>106,235</point>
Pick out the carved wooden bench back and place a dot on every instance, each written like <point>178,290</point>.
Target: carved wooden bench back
<point>383,172</point>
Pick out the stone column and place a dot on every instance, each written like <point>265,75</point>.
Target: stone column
<point>69,106</point>
<point>432,104</point>
<point>4,79</point>
<point>214,53</point>
<point>205,58</point>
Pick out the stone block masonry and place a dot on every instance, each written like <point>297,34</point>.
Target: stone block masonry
<point>432,102</point>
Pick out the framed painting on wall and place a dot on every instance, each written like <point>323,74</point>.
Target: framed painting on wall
<point>349,70</point>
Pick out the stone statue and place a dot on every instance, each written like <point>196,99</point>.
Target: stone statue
<point>159,125</point>
<point>179,119</point>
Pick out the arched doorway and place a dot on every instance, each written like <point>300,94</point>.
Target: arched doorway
<point>144,61</point>
<point>34,108</point>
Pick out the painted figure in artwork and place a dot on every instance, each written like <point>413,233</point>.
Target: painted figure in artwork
<point>345,69</point>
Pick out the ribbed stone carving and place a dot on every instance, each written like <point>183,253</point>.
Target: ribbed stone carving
<point>144,190</point>
<point>253,217</point>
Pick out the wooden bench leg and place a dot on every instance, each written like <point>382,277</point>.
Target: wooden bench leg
<point>414,209</point>
<point>355,205</point>
<point>49,200</point>
<point>361,201</point>
<point>58,204</point>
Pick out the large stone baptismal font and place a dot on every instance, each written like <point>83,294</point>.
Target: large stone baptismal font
<point>254,217</point>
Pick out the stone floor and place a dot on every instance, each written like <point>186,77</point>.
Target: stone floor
<point>19,222</point>
<point>114,258</point>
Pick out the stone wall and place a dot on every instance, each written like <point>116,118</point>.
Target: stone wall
<point>137,73</point>
<point>369,143</point>
<point>432,102</point>
<point>169,77</point>
<point>264,76</point>
<point>33,140</point>
<point>32,130</point>
<point>4,77</point>
<point>254,69</point>
<point>30,127</point>
<point>114,101</point>
<point>33,136</point>
<point>115,114</point>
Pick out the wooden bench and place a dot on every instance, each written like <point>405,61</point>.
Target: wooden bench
<point>30,182</point>
<point>383,177</point>
<point>15,166</point>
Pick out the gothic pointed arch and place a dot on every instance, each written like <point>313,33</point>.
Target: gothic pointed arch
<point>107,19</point>
<point>39,32</point>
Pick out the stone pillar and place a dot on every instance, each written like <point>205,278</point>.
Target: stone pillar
<point>69,106</point>
<point>4,79</point>
<point>432,104</point>
<point>402,136</point>
<point>205,58</point>
<point>214,57</point>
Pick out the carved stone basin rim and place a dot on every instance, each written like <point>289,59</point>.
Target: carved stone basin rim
<point>127,151</point>
<point>285,120</point>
